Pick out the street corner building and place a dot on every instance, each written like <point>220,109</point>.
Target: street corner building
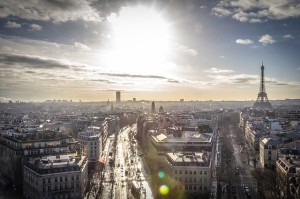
<point>61,176</point>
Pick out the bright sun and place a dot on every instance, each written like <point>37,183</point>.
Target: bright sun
<point>141,40</point>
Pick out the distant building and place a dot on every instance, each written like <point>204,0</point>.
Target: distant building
<point>118,96</point>
<point>253,135</point>
<point>192,171</point>
<point>161,109</point>
<point>153,107</point>
<point>144,124</point>
<point>134,99</point>
<point>61,176</point>
<point>268,152</point>
<point>243,120</point>
<point>286,168</point>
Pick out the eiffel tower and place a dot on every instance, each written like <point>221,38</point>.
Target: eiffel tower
<point>262,101</point>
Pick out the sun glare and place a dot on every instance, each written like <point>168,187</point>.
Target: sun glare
<point>141,40</point>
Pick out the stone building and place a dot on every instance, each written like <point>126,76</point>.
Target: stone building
<point>61,176</point>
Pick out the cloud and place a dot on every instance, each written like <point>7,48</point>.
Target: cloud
<point>288,36</point>
<point>246,79</point>
<point>4,99</point>
<point>257,11</point>
<point>30,62</point>
<point>35,27</point>
<point>133,75</point>
<point>266,39</point>
<point>103,81</point>
<point>219,79</point>
<point>51,10</point>
<point>81,46</point>
<point>217,71</point>
<point>12,24</point>
<point>186,50</point>
<point>220,11</point>
<point>244,41</point>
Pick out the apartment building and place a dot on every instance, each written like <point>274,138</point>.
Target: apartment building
<point>268,152</point>
<point>18,147</point>
<point>286,168</point>
<point>90,142</point>
<point>192,171</point>
<point>61,176</point>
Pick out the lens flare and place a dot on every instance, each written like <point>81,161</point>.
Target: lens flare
<point>161,174</point>
<point>164,190</point>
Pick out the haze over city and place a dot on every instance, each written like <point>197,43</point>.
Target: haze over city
<point>170,50</point>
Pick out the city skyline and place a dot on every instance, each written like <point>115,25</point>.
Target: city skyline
<point>192,50</point>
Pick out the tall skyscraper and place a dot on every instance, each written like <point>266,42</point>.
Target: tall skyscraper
<point>262,101</point>
<point>118,96</point>
<point>153,107</point>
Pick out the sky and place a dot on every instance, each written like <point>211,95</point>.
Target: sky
<point>149,50</point>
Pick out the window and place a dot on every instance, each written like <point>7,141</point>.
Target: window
<point>205,172</point>
<point>175,171</point>
<point>180,172</point>
<point>200,172</point>
<point>186,172</point>
<point>190,172</point>
<point>200,188</point>
<point>194,172</point>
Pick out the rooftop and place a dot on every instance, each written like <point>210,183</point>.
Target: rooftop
<point>57,164</point>
<point>187,136</point>
<point>189,159</point>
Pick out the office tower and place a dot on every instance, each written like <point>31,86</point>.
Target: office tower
<point>118,96</point>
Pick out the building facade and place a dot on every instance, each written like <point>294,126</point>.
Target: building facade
<point>286,168</point>
<point>90,142</point>
<point>17,147</point>
<point>61,176</point>
<point>192,171</point>
<point>268,152</point>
